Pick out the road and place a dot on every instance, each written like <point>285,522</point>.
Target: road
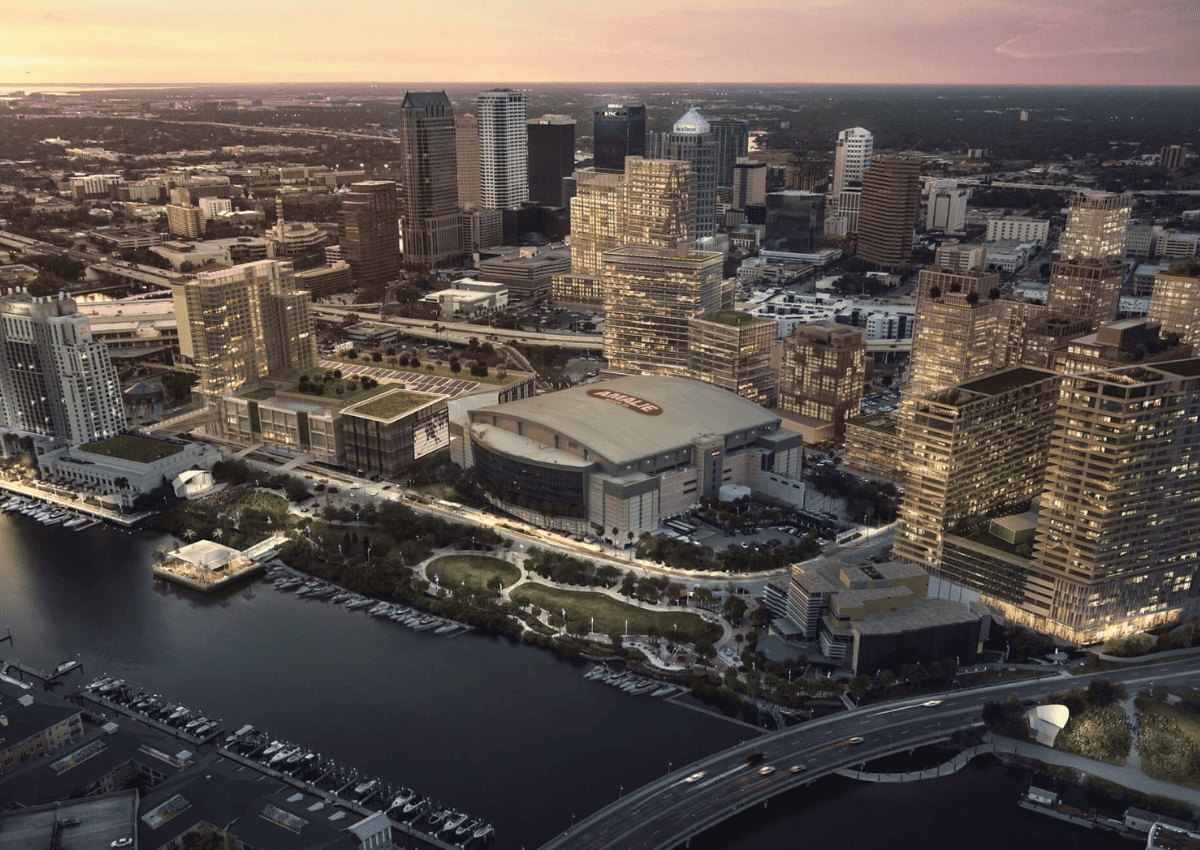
<point>667,812</point>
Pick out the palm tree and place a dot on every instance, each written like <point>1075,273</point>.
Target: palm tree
<point>218,533</point>
<point>189,534</point>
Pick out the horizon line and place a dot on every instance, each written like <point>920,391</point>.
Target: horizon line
<point>160,85</point>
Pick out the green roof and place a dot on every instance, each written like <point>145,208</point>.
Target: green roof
<point>131,447</point>
<point>258,393</point>
<point>393,404</point>
<point>733,318</point>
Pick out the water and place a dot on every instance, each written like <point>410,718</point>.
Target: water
<point>502,731</point>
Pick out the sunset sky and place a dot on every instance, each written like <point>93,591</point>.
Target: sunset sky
<point>1059,42</point>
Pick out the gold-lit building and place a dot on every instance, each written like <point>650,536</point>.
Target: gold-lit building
<point>1116,344</point>
<point>185,221</point>
<point>976,448</point>
<point>650,294</point>
<point>733,350</point>
<point>1086,288</point>
<point>822,372</point>
<point>1096,226</point>
<point>1175,303</point>
<point>1116,547</point>
<point>240,325</point>
<point>955,340</point>
<point>651,203</point>
<point>369,231</point>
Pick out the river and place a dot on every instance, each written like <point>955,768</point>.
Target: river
<point>499,730</point>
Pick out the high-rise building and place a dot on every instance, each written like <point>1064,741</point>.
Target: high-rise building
<point>650,294</point>
<point>749,183</point>
<point>823,371</point>
<point>466,145</point>
<point>732,349</point>
<point>369,232</point>
<point>946,209</point>
<point>692,141</point>
<point>652,203</point>
<point>503,149</point>
<point>842,211</point>
<point>1175,303</point>
<point>732,136</point>
<point>851,157</point>
<point>890,192</point>
<point>429,181</point>
<point>1172,156</point>
<point>1116,546</point>
<point>1086,288</point>
<point>185,221</point>
<point>551,157</point>
<point>972,449</point>
<point>795,221</point>
<point>955,339</point>
<point>1096,225</point>
<point>56,380</point>
<point>618,131</point>
<point>243,324</point>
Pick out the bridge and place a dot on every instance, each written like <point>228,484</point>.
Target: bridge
<point>668,812</point>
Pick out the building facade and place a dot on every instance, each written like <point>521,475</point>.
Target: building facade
<point>823,371</point>
<point>551,157</point>
<point>466,147</point>
<point>890,193</point>
<point>369,232</point>
<point>749,183</point>
<point>650,294</point>
<point>1096,225</point>
<point>618,131</point>
<point>56,380</point>
<point>851,158</point>
<point>429,181</point>
<point>733,350</point>
<point>733,142</point>
<point>1175,304</point>
<point>691,140</point>
<point>503,149</point>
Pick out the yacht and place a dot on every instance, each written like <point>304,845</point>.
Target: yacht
<point>453,822</point>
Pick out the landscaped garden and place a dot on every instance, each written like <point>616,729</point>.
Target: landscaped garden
<point>134,448</point>
<point>1169,740</point>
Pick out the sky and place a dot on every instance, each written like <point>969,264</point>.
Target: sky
<point>966,42</point>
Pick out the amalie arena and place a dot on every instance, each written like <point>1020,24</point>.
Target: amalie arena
<point>614,459</point>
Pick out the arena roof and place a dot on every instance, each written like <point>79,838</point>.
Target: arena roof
<point>630,418</point>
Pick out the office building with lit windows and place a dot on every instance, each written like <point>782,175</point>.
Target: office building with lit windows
<point>1175,303</point>
<point>503,149</point>
<point>243,324</point>
<point>691,140</point>
<point>823,371</point>
<point>650,294</point>
<point>732,349</point>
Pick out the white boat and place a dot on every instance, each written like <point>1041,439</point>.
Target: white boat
<point>74,521</point>
<point>483,831</point>
<point>453,822</point>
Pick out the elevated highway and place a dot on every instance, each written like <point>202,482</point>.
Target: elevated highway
<point>666,813</point>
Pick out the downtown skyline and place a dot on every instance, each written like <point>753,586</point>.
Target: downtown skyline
<point>934,42</point>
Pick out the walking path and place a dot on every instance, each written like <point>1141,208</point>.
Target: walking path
<point>1128,775</point>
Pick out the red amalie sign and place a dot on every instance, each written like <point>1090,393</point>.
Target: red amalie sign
<point>631,402</point>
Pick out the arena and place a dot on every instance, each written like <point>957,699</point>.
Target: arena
<point>614,459</point>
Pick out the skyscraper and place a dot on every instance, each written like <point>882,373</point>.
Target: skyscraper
<point>503,149</point>
<point>732,349</point>
<point>851,157</point>
<point>732,136</point>
<point>370,232</point>
<point>551,157</point>
<point>1086,282</point>
<point>1116,547</point>
<point>618,131</point>
<point>429,180</point>
<point>823,371</point>
<point>466,143</point>
<point>242,324</point>
<point>651,204</point>
<point>795,221</point>
<point>749,183</point>
<point>650,294</point>
<point>1176,302</point>
<point>55,379</point>
<point>692,141</point>
<point>890,192</point>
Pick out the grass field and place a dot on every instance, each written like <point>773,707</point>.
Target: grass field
<point>611,615</point>
<point>452,570</point>
<point>132,447</point>
<point>439,491</point>
<point>1169,744</point>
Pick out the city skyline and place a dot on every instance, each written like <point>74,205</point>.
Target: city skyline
<point>986,42</point>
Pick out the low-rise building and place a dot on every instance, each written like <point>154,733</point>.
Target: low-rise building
<point>33,724</point>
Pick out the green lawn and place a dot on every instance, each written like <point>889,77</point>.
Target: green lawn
<point>1169,744</point>
<point>130,447</point>
<point>611,615</point>
<point>394,404</point>
<point>347,396</point>
<point>452,570</point>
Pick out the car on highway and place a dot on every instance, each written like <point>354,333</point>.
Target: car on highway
<point>797,768</point>
<point>766,771</point>
<point>695,777</point>
<point>930,703</point>
<point>855,740</point>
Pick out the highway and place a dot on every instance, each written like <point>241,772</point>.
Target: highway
<point>667,812</point>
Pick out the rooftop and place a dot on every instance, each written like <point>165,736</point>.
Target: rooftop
<point>133,447</point>
<point>733,318</point>
<point>392,405</point>
<point>1009,379</point>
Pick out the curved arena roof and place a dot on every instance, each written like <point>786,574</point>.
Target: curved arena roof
<point>631,418</point>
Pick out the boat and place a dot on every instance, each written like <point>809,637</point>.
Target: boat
<point>412,805</point>
<point>194,722</point>
<point>97,684</point>
<point>274,747</point>
<point>453,822</point>
<point>111,685</point>
<point>341,597</point>
<point>177,714</point>
<point>74,521</point>
<point>358,602</point>
<point>484,831</point>
<point>446,628</point>
<point>402,798</point>
<point>596,672</point>
<point>238,736</point>
<point>282,755</point>
<point>466,828</point>
<point>295,757</point>
<point>436,819</point>
<point>205,730</point>
<point>426,623</point>
<point>365,788</point>
<point>663,691</point>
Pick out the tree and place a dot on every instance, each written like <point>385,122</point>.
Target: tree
<point>887,679</point>
<point>628,584</point>
<point>859,686</point>
<point>735,608</point>
<point>616,638</point>
<point>1104,692</point>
